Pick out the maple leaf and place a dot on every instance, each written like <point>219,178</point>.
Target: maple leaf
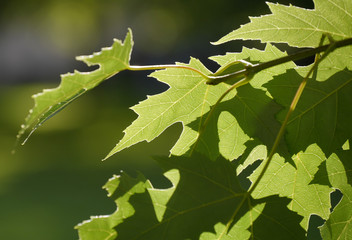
<point>110,60</point>
<point>187,98</point>
<point>296,26</point>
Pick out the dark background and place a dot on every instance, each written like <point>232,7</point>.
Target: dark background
<point>54,181</point>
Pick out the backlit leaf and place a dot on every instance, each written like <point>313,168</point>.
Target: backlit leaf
<point>296,26</point>
<point>110,60</point>
<point>189,99</point>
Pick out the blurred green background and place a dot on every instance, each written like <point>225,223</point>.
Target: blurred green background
<point>54,181</point>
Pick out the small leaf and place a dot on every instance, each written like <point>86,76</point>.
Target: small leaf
<point>120,188</point>
<point>257,56</point>
<point>110,60</point>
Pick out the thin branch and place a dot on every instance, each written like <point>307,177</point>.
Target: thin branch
<point>158,67</point>
<point>249,71</point>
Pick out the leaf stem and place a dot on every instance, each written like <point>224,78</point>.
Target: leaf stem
<point>331,47</point>
<point>158,67</point>
<point>229,223</point>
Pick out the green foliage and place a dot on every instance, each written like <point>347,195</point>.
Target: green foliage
<point>171,213</point>
<point>256,157</point>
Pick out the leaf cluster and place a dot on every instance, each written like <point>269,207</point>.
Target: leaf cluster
<point>264,143</point>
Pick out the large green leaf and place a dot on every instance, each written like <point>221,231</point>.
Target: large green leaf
<point>205,201</point>
<point>187,98</point>
<point>298,27</point>
<point>110,60</point>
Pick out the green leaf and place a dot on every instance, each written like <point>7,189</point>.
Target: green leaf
<point>287,181</point>
<point>205,200</point>
<point>296,26</point>
<point>110,60</point>
<point>187,98</point>
<point>339,224</point>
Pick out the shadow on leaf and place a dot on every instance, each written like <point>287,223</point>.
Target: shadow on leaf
<point>323,114</point>
<point>204,194</point>
<point>253,118</point>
